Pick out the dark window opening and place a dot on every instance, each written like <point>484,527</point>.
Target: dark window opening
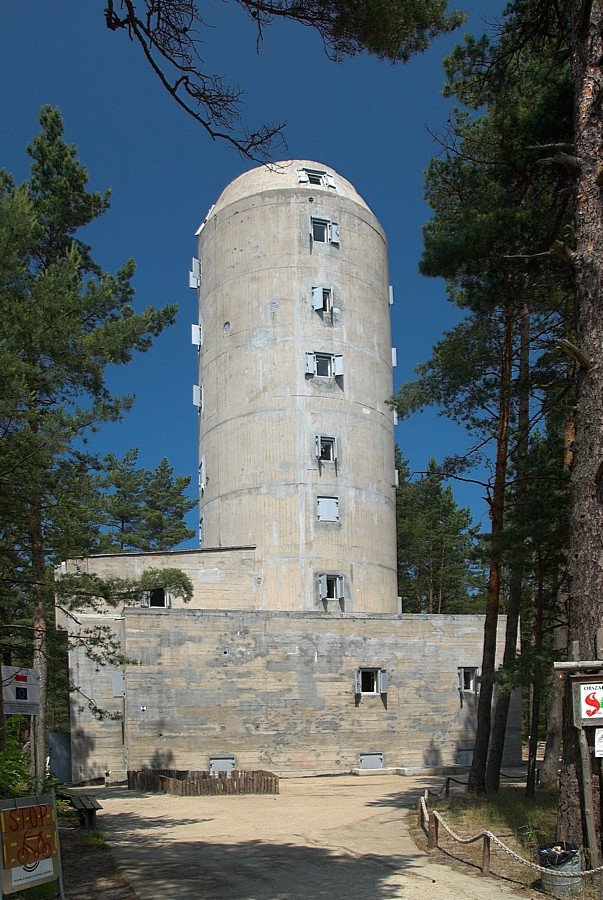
<point>319,231</point>
<point>157,597</point>
<point>324,365</point>
<point>368,681</point>
<point>327,449</point>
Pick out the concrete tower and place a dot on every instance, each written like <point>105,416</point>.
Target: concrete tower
<point>296,439</point>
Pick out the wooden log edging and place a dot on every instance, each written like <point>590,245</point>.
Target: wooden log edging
<point>187,783</point>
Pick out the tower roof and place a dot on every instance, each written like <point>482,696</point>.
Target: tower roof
<point>284,174</point>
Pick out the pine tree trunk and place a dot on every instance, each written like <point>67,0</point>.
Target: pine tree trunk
<point>549,771</point>
<point>537,635</point>
<point>477,776</point>
<point>585,562</point>
<point>499,730</point>
<point>40,658</point>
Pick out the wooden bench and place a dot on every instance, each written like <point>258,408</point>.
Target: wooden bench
<point>85,805</point>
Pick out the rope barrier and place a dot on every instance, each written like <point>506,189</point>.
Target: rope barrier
<point>435,818</point>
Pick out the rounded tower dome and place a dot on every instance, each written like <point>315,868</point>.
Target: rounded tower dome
<point>295,367</point>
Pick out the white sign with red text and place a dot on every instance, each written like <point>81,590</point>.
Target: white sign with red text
<point>591,701</point>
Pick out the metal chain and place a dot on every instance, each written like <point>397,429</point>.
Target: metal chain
<point>503,847</point>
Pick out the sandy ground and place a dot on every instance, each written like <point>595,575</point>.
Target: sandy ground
<point>342,838</point>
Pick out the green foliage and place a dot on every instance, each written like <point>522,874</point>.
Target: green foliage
<point>437,563</point>
<point>142,509</point>
<point>64,321</point>
<point>501,235</point>
<point>170,38</point>
<point>93,840</point>
<point>15,763</point>
<point>508,810</point>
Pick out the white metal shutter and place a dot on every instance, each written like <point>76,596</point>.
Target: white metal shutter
<point>358,682</point>
<point>328,509</point>
<point>383,681</point>
<point>322,587</point>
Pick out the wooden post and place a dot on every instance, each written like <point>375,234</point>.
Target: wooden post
<point>589,813</point>
<point>447,788</point>
<point>432,832</point>
<point>420,821</point>
<point>486,855</point>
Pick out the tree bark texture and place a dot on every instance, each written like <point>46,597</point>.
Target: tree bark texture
<point>40,658</point>
<point>477,776</point>
<point>499,729</point>
<point>549,771</point>
<point>585,563</point>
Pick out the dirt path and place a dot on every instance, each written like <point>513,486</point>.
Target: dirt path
<point>341,838</point>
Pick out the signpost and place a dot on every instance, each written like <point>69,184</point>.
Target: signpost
<point>21,691</point>
<point>586,679</point>
<point>30,843</point>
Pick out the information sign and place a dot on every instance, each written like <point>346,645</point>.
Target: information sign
<point>591,700</point>
<point>30,845</point>
<point>21,691</point>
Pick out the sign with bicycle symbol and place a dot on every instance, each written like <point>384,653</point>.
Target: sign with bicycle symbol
<point>28,827</point>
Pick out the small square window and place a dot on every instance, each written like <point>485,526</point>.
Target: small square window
<point>323,231</point>
<point>331,587</point>
<point>371,681</point>
<point>468,679</point>
<point>326,448</point>
<point>328,509</point>
<point>320,230</point>
<point>322,299</point>
<point>325,365</point>
<point>315,176</point>
<point>156,598</point>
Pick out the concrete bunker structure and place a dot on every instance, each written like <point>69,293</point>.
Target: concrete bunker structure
<point>292,655</point>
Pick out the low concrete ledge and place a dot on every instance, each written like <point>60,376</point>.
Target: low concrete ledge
<point>413,770</point>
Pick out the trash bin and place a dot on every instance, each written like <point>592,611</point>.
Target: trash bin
<point>561,856</point>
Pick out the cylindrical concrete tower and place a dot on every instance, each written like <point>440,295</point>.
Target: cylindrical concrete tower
<point>295,367</point>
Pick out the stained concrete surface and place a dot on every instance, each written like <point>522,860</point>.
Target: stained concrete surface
<point>332,838</point>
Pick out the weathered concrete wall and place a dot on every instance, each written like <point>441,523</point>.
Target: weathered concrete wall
<point>277,691</point>
<point>221,578</point>
<point>262,412</point>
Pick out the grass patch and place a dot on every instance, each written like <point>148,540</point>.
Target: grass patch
<point>530,821</point>
<point>521,824</point>
<point>93,840</point>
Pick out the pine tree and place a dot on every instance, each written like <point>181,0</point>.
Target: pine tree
<point>64,321</point>
<point>169,35</point>
<point>437,571</point>
<point>122,500</point>
<point>165,506</point>
<point>497,212</point>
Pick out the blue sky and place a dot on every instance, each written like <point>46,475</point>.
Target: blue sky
<point>367,120</point>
